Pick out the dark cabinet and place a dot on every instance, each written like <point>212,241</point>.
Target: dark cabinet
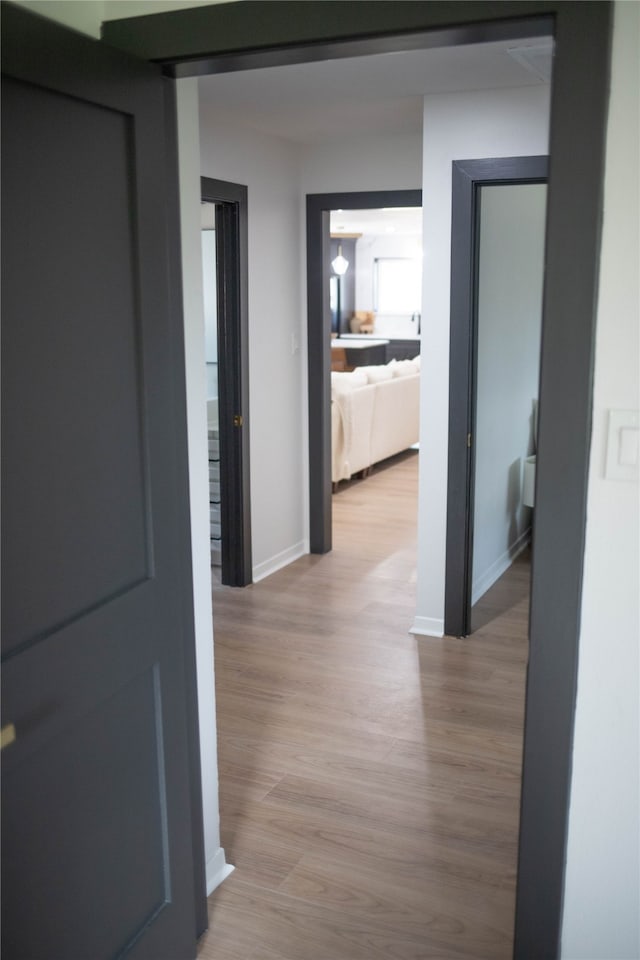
<point>372,354</point>
<point>402,349</point>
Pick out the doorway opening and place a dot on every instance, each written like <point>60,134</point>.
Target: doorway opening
<point>496,315</point>
<point>225,280</point>
<point>210,298</point>
<point>375,300</point>
<point>577,139</point>
<point>321,344</point>
<point>324,244</point>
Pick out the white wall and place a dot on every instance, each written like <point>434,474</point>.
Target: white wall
<point>210,294</point>
<point>210,291</point>
<point>269,167</point>
<point>189,177</point>
<point>511,269</point>
<point>459,126</point>
<point>602,895</point>
<point>362,163</point>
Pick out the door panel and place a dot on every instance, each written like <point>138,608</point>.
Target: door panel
<point>117,740</point>
<point>75,328</point>
<point>97,830</point>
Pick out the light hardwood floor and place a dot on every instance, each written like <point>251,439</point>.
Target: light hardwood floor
<point>370,780</point>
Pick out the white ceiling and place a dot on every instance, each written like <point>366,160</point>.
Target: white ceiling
<point>368,95</point>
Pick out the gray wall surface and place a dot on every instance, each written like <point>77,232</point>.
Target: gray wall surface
<point>209,284</point>
<point>512,224</point>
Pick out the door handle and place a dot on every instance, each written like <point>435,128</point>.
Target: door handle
<point>7,735</point>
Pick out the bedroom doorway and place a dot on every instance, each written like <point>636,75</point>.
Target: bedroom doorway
<point>496,316</point>
<point>225,281</point>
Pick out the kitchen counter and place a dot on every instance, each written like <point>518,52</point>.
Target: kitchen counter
<point>354,342</point>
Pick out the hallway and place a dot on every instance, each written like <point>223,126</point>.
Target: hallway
<point>369,779</point>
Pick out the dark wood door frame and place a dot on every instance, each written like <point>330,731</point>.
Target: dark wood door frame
<point>295,32</point>
<point>468,176</point>
<point>233,376</point>
<point>319,206</point>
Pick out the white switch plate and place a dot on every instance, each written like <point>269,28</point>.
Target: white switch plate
<point>623,445</point>
<point>628,454</point>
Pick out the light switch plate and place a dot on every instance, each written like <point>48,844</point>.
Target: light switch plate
<point>628,453</point>
<point>623,445</point>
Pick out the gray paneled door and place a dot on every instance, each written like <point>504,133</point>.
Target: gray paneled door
<point>96,819</point>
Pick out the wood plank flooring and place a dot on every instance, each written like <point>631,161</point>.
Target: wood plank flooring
<point>369,780</point>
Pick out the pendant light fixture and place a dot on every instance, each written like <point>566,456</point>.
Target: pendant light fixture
<point>340,264</point>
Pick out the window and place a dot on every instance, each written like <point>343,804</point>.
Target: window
<point>397,285</point>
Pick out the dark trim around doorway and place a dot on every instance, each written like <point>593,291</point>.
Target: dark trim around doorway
<point>572,258</point>
<point>233,376</point>
<point>203,40</point>
<point>319,206</point>
<point>300,31</point>
<point>468,176</point>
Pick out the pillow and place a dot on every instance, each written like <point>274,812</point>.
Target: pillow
<point>405,368</point>
<point>343,382</point>
<point>376,374</point>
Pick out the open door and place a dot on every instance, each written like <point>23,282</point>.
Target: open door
<point>468,179</point>
<point>99,789</point>
<point>232,322</point>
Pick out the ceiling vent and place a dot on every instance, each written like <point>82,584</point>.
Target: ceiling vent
<point>536,58</point>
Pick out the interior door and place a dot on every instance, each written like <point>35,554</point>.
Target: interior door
<point>96,784</point>
<point>231,266</point>
<point>469,177</point>
<point>510,274</point>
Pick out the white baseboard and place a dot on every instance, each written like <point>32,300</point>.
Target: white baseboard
<point>427,627</point>
<point>217,870</point>
<point>267,567</point>
<point>499,566</point>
